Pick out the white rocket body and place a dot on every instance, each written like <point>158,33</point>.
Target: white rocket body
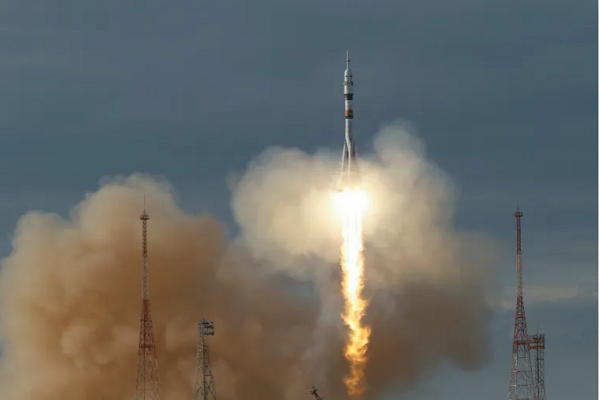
<point>350,175</point>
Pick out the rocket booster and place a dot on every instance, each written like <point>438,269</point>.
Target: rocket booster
<point>350,174</point>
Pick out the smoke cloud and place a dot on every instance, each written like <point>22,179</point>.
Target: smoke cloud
<point>70,291</point>
<point>427,281</point>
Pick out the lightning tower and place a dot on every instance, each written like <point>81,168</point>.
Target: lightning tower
<point>538,345</point>
<point>147,381</point>
<point>204,386</point>
<point>521,385</point>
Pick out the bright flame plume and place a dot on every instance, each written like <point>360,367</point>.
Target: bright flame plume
<point>351,205</point>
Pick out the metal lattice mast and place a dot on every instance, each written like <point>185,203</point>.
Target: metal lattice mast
<point>204,386</point>
<point>538,343</point>
<point>521,385</point>
<point>147,381</point>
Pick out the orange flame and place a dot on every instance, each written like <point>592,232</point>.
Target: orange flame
<point>351,203</point>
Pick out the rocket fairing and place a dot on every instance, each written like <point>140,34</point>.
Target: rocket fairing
<point>349,173</point>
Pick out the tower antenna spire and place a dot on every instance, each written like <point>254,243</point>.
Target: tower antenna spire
<point>147,383</point>
<point>521,386</point>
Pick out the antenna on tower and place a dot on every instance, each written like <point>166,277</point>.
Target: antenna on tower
<point>147,381</point>
<point>521,386</point>
<point>204,386</point>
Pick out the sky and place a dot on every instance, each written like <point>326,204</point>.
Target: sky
<point>503,94</point>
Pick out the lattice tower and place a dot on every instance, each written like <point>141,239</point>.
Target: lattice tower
<point>204,385</point>
<point>147,383</point>
<point>537,344</point>
<point>521,386</point>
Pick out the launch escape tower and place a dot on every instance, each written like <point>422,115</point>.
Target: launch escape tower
<point>204,386</point>
<point>537,343</point>
<point>147,381</point>
<point>521,385</point>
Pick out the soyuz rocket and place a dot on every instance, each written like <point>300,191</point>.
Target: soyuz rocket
<point>350,173</point>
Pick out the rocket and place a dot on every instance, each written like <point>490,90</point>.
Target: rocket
<point>350,173</point>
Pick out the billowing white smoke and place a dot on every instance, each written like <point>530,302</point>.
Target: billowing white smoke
<point>283,205</point>
<point>415,258</point>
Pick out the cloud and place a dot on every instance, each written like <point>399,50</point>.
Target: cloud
<point>538,295</point>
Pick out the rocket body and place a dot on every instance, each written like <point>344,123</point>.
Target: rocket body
<point>349,173</point>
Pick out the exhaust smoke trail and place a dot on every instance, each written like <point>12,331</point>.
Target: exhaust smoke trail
<point>351,204</point>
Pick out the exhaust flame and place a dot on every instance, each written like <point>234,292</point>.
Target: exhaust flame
<point>351,204</point>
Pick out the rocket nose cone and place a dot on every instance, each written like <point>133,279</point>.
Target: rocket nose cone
<point>348,72</point>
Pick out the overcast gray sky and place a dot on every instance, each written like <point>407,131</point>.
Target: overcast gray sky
<point>504,94</point>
